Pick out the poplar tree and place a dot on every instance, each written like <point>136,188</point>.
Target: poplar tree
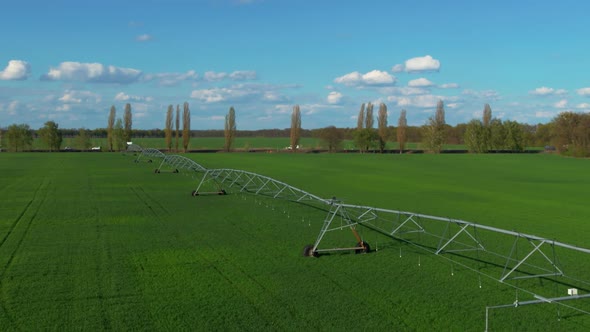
<point>168,128</point>
<point>128,123</point>
<point>434,130</point>
<point>110,125</point>
<point>360,120</point>
<point>295,127</point>
<point>186,126</point>
<point>230,129</point>
<point>177,126</point>
<point>369,120</point>
<point>402,123</point>
<point>382,126</point>
<point>119,135</point>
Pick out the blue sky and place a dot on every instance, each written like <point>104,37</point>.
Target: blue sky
<point>69,61</point>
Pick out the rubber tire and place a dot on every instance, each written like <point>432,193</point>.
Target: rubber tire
<point>308,251</point>
<point>175,171</point>
<point>366,248</point>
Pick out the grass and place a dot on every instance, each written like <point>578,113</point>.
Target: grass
<point>95,241</point>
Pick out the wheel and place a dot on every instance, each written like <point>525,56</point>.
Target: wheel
<point>308,251</point>
<point>194,193</point>
<point>365,250</point>
<point>223,192</point>
<point>149,161</point>
<point>176,170</point>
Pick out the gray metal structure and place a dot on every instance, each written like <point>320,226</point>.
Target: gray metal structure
<point>441,236</point>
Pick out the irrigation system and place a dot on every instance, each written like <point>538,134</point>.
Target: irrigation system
<point>529,256</point>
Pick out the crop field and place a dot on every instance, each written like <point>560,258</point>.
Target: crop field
<point>94,241</point>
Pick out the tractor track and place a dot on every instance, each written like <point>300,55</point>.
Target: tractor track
<point>146,199</point>
<point>17,222</point>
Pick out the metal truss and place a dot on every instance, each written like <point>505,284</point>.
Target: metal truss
<point>177,163</point>
<point>134,148</point>
<point>150,154</point>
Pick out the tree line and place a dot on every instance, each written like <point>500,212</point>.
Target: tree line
<point>567,133</point>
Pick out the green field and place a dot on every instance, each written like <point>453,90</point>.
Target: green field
<point>95,241</point>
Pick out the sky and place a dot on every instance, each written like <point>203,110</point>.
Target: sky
<point>70,61</point>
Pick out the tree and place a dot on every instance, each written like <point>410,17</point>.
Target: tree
<point>186,126</point>
<point>474,137</point>
<point>19,137</point>
<point>332,137</point>
<point>295,127</point>
<point>119,135</point>
<point>365,138</point>
<point>497,135</point>
<point>487,115</point>
<point>230,129</point>
<point>434,130</point>
<point>128,123</point>
<point>369,120</point>
<point>177,126</point>
<point>402,124</point>
<point>360,120</point>
<point>168,129</point>
<point>514,136</point>
<point>51,136</point>
<point>83,140</point>
<point>487,130</point>
<point>382,126</point>
<point>110,125</point>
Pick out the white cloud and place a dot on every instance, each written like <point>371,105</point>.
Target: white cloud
<point>92,72</point>
<point>334,97</point>
<point>488,95</point>
<point>398,68</point>
<point>420,82</point>
<point>243,75</point>
<point>78,97</point>
<point>374,77</point>
<point>583,106</point>
<point>121,96</point>
<point>544,114</point>
<point>212,76</point>
<point>449,86</point>
<point>584,92</point>
<point>403,90</point>
<point>561,104</point>
<point>546,91</point>
<point>144,38</point>
<point>241,92</point>
<point>16,70</point>
<point>418,64</point>
<point>421,101</point>
<point>217,118</point>
<point>171,79</point>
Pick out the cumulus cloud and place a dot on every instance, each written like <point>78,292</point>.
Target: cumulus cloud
<point>546,91</point>
<point>420,82</point>
<point>561,104</point>
<point>171,79</point>
<point>240,92</point>
<point>334,97</point>
<point>418,64</point>
<point>92,73</point>
<point>240,75</point>
<point>121,96</point>
<point>449,86</point>
<point>374,77</point>
<point>421,101</point>
<point>584,92</point>
<point>79,96</point>
<point>16,70</point>
<point>403,90</point>
<point>583,106</point>
<point>144,38</point>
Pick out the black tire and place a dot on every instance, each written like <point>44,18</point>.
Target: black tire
<point>222,192</point>
<point>176,170</point>
<point>149,161</point>
<point>365,248</point>
<point>308,251</point>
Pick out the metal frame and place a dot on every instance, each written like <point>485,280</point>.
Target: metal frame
<point>177,162</point>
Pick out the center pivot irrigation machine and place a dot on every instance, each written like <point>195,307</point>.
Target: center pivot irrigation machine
<point>479,248</point>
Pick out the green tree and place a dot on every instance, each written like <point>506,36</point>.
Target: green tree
<point>434,131</point>
<point>332,137</point>
<point>83,140</point>
<point>110,126</point>
<point>186,126</point>
<point>402,124</point>
<point>514,140</point>
<point>295,127</point>
<point>230,129</point>
<point>369,119</point>
<point>19,137</point>
<point>127,118</point>
<point>360,120</point>
<point>168,129</point>
<point>51,135</point>
<point>119,135</point>
<point>177,127</point>
<point>382,127</point>
<point>474,137</point>
<point>497,135</point>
